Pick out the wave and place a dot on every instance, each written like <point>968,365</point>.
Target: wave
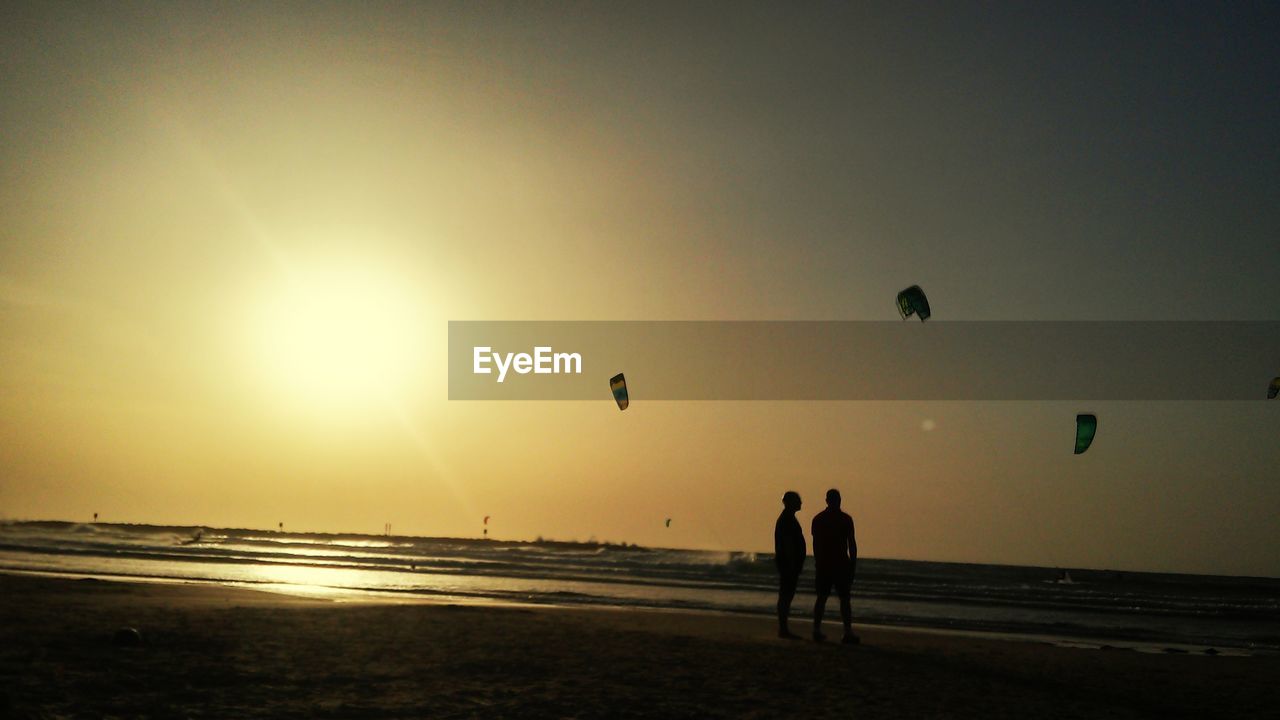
<point>893,591</point>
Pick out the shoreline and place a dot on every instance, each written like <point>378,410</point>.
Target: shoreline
<point>1147,611</point>
<point>414,597</point>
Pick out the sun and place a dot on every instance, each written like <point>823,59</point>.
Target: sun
<point>341,336</point>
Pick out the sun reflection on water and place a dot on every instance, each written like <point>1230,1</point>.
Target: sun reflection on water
<point>314,581</point>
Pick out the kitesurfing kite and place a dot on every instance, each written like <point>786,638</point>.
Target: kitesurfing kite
<point>668,522</point>
<point>913,302</point>
<point>1274,389</point>
<point>1086,427</point>
<point>618,384</point>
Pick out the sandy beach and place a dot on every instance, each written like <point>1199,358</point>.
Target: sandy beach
<point>218,652</point>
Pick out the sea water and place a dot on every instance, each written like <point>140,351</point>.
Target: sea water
<point>1098,605</point>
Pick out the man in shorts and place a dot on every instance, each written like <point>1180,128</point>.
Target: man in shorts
<point>835,557</point>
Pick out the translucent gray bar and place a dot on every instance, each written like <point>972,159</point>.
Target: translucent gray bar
<point>696,360</point>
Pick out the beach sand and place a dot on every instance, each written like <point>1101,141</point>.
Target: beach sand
<point>216,652</point>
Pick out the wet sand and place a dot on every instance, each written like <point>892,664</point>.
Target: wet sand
<point>216,652</point>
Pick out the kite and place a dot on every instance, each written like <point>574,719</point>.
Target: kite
<point>1271,391</point>
<point>1086,427</point>
<point>618,384</point>
<point>913,302</point>
<point>668,522</point>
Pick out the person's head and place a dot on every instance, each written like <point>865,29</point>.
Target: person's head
<point>833,498</point>
<point>791,500</point>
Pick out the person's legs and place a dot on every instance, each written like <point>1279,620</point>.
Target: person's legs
<point>844,587</point>
<point>786,592</point>
<point>819,607</point>
<point>823,588</point>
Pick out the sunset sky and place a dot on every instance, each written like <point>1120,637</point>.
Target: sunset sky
<point>232,237</point>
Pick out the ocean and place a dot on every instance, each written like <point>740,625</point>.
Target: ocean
<point>1158,612</point>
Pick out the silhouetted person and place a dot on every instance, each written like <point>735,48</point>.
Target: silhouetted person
<point>789,552</point>
<point>835,558</point>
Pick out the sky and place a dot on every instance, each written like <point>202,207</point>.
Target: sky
<point>232,236</point>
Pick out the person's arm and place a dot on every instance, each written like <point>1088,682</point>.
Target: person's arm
<point>796,548</point>
<point>853,550</point>
<point>779,545</point>
<point>804,547</point>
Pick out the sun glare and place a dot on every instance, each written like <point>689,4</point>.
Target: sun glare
<point>341,337</point>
